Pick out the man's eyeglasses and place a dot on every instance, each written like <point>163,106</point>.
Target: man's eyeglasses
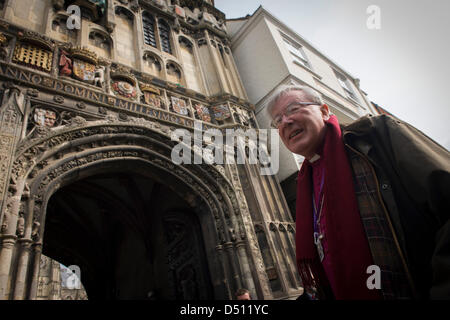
<point>289,111</point>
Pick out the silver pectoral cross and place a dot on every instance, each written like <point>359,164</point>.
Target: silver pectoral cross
<point>318,242</point>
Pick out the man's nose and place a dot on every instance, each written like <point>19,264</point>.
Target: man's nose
<point>285,118</point>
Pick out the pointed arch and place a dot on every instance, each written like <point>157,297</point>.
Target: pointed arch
<point>101,144</point>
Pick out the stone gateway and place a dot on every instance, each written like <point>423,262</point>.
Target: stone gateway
<point>86,176</point>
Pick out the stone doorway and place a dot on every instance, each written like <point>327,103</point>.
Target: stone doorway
<point>132,236</point>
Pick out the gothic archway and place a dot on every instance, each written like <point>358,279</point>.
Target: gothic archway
<point>56,158</point>
<point>117,224</point>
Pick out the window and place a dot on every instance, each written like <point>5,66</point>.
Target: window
<point>149,29</point>
<point>164,34</point>
<point>297,53</point>
<point>345,84</point>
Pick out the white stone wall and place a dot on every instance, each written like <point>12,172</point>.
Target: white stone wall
<point>258,60</point>
<point>125,44</point>
<point>28,13</point>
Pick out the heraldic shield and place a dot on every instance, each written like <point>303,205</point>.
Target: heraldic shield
<point>202,112</point>
<point>44,117</point>
<point>221,112</point>
<point>151,99</point>
<point>124,89</point>
<point>179,106</point>
<point>83,70</point>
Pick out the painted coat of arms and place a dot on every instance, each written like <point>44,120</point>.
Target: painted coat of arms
<point>179,106</point>
<point>221,112</point>
<point>152,99</point>
<point>83,70</point>
<point>202,112</point>
<point>124,89</point>
<point>44,117</point>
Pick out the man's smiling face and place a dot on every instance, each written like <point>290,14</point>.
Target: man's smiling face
<point>303,131</point>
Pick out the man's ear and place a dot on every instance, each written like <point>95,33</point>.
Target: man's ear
<point>325,111</point>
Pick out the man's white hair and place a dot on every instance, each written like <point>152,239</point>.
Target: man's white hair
<point>311,94</point>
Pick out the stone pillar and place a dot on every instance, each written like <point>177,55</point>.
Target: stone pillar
<point>139,41</point>
<point>11,121</point>
<point>21,286</point>
<point>234,272</point>
<point>245,268</point>
<point>22,267</point>
<point>33,285</point>
<point>226,284</point>
<point>235,74</point>
<point>217,65</point>
<point>7,247</point>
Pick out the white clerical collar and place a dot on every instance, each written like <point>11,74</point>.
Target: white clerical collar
<point>314,158</point>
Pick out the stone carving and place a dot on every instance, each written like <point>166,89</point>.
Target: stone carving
<point>35,230</point>
<point>14,97</point>
<point>79,63</point>
<point>99,78</point>
<point>33,93</point>
<point>81,105</point>
<point>134,5</point>
<point>20,226</point>
<point>83,70</point>
<point>123,116</point>
<point>201,42</point>
<point>124,89</point>
<point>160,3</point>
<point>179,106</point>
<point>4,50</point>
<point>202,112</point>
<point>102,110</point>
<point>58,4</point>
<point>65,64</point>
<point>59,99</point>
<point>76,121</point>
<point>151,96</point>
<point>176,26</point>
<point>221,112</point>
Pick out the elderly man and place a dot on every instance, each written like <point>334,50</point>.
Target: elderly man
<point>373,203</point>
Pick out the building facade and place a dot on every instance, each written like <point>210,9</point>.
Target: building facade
<point>91,94</point>
<point>269,54</point>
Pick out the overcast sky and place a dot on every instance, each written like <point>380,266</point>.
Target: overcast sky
<point>404,66</point>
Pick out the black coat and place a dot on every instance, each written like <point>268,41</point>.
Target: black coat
<point>414,176</point>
